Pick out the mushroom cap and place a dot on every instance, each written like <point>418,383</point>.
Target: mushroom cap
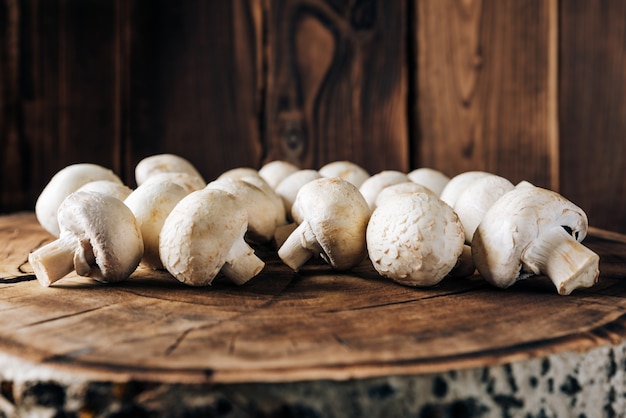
<point>512,223</point>
<point>264,214</point>
<point>239,173</point>
<point>61,185</point>
<point>289,187</point>
<point>433,179</point>
<point>373,185</point>
<point>415,241</point>
<point>108,187</point>
<point>390,192</point>
<point>107,227</point>
<point>163,163</point>
<point>199,233</point>
<point>275,171</point>
<point>337,214</point>
<point>458,183</point>
<point>346,170</point>
<point>473,202</point>
<point>151,203</point>
<point>187,181</point>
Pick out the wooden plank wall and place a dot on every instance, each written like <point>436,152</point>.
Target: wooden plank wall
<point>528,89</point>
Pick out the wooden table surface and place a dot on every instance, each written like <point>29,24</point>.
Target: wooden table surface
<point>283,327</point>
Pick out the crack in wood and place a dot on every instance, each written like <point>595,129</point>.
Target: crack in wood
<point>47,320</point>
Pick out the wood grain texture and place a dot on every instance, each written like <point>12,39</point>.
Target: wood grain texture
<point>282,326</point>
<point>593,109</point>
<point>337,83</point>
<point>194,83</point>
<point>486,88</point>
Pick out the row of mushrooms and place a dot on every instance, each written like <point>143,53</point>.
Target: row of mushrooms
<point>415,228</point>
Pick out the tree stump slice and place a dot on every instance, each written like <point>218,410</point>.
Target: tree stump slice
<point>318,342</point>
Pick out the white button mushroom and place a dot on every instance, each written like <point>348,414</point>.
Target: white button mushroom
<point>275,171</point>
<point>457,184</point>
<point>239,173</point>
<point>531,231</point>
<point>203,235</point>
<point>289,187</point>
<point>373,185</point>
<point>433,179</point>
<point>345,170</point>
<point>111,188</point>
<point>163,163</point>
<point>334,219</point>
<point>415,240</point>
<point>187,181</point>
<point>394,190</point>
<point>61,185</point>
<point>264,214</point>
<point>477,197</point>
<point>99,238</point>
<point>151,203</point>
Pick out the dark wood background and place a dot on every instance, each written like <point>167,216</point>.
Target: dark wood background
<point>528,89</point>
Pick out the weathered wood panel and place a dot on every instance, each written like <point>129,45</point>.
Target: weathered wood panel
<point>593,109</point>
<point>195,82</point>
<point>337,83</point>
<point>486,88</point>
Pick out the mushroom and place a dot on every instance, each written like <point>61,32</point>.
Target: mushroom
<point>457,184</point>
<point>346,170</point>
<point>163,163</point>
<point>151,203</point>
<point>275,171</point>
<point>203,235</point>
<point>239,173</point>
<point>187,181</point>
<point>61,185</point>
<point>99,238</point>
<point>474,201</point>
<point>289,187</point>
<point>108,187</point>
<point>334,219</point>
<point>394,190</point>
<point>433,179</point>
<point>531,231</point>
<point>373,185</point>
<point>264,214</point>
<point>415,239</point>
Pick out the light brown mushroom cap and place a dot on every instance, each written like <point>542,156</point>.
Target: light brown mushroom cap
<point>390,192</point>
<point>203,235</point>
<point>346,170</point>
<point>275,171</point>
<point>110,188</point>
<point>151,203</point>
<point>433,179</point>
<point>163,163</point>
<point>473,202</point>
<point>289,187</point>
<point>457,184</point>
<point>99,238</point>
<point>416,241</point>
<point>335,217</point>
<point>373,185</point>
<point>187,181</point>
<point>514,223</point>
<point>264,214</point>
<point>61,185</point>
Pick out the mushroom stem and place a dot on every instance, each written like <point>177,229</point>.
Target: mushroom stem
<point>241,263</point>
<point>54,260</point>
<point>464,266</point>
<point>569,264</point>
<point>299,247</point>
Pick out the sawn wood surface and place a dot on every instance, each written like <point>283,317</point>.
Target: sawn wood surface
<point>282,326</point>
